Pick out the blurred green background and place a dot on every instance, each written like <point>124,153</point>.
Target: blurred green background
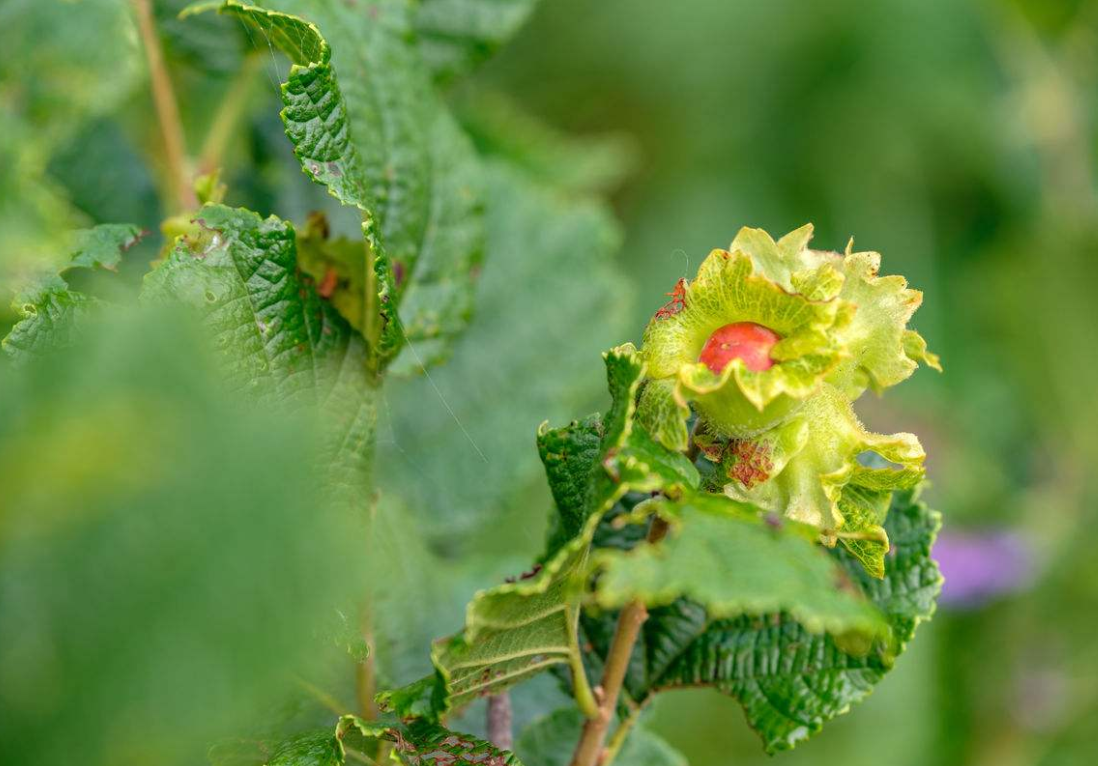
<point>956,137</point>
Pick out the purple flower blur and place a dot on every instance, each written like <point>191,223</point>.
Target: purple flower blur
<point>978,566</point>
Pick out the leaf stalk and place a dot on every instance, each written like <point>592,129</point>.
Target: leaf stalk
<point>581,687</point>
<point>589,750</point>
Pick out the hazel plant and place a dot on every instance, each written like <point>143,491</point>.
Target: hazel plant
<point>698,521</point>
<point>727,522</point>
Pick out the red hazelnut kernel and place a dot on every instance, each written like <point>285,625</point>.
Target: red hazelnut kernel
<point>743,340</point>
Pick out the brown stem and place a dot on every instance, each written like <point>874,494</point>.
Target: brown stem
<point>589,749</point>
<point>499,721</point>
<point>167,111</point>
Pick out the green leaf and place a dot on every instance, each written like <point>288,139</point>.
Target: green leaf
<point>52,314</point>
<point>402,570</point>
<point>883,351</point>
<point>380,139</point>
<point>549,292</point>
<point>421,744</point>
<point>521,628</point>
<point>340,269</point>
<point>585,164</point>
<point>418,743</point>
<point>35,217</point>
<point>723,555</point>
<point>568,454</point>
<point>318,748</point>
<point>456,35</point>
<point>515,630</point>
<point>66,62</point>
<point>280,342</point>
<point>437,281</point>
<point>157,532</point>
<point>864,511</point>
<point>590,465</point>
<point>546,742</point>
<point>102,247</point>
<point>790,681</point>
<point>51,317</point>
<point>315,111</point>
<point>664,414</point>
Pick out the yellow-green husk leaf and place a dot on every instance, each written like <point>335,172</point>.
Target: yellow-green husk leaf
<point>787,438</point>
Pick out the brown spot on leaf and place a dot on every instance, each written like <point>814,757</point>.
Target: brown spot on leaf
<point>751,464</point>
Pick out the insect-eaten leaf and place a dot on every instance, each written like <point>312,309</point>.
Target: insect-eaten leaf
<point>51,312</point>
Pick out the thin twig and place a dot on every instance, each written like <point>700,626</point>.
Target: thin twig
<point>589,750</point>
<point>613,747</point>
<point>581,687</point>
<point>167,111</point>
<point>324,698</point>
<point>229,113</point>
<point>499,721</point>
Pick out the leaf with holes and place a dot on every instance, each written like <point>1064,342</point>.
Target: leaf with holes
<point>51,312</point>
